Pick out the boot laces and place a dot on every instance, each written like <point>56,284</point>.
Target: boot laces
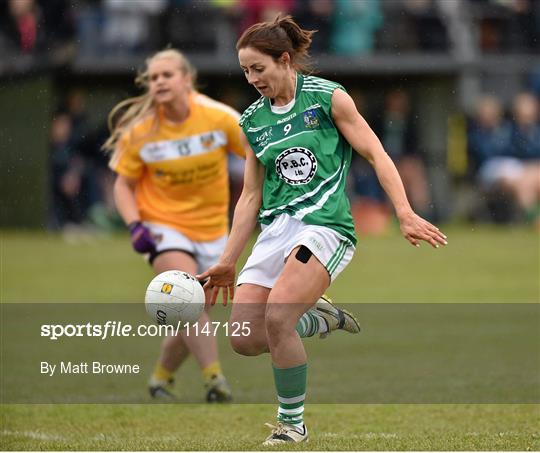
<point>277,430</point>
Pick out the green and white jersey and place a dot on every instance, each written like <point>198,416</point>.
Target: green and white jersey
<point>305,156</point>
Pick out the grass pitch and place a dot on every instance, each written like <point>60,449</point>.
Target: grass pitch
<point>485,264</point>
<point>479,265</point>
<point>241,427</point>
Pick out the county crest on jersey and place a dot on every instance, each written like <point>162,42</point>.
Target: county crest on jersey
<point>306,159</point>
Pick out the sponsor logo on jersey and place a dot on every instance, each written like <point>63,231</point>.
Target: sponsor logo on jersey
<point>256,129</point>
<point>194,145</point>
<point>183,148</point>
<point>310,119</point>
<point>207,141</point>
<point>287,118</point>
<point>296,166</point>
<point>262,140</point>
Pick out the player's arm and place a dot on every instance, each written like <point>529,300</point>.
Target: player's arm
<point>126,203</point>
<point>364,141</point>
<point>124,197</point>
<point>222,275</point>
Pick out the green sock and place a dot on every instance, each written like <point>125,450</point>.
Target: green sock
<point>310,324</point>
<point>291,390</point>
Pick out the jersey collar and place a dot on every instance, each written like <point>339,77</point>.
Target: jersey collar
<point>299,83</point>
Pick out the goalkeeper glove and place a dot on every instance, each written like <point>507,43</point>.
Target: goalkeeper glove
<point>141,238</point>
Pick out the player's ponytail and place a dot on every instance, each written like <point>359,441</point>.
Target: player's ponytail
<point>130,111</point>
<point>283,34</point>
<point>300,38</point>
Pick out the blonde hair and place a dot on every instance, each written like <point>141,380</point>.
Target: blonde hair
<point>130,111</point>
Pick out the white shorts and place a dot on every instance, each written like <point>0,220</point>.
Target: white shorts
<point>168,239</point>
<point>500,168</point>
<point>276,242</point>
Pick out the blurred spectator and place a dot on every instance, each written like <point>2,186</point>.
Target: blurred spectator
<point>81,180</point>
<point>60,22</point>
<point>101,210</point>
<point>507,25</point>
<point>192,25</point>
<point>418,25</point>
<point>89,25</point>
<point>525,30</point>
<point>397,32</point>
<point>68,205</point>
<point>489,139</point>
<point>316,15</point>
<point>507,156</point>
<point>23,26</point>
<point>369,208</point>
<point>489,133</point>
<point>346,27</point>
<point>75,106</point>
<point>534,80</point>
<point>526,131</point>
<point>354,26</point>
<point>131,25</point>
<point>526,149</point>
<point>254,11</point>
<point>397,131</point>
<point>430,30</point>
<point>235,98</point>
<point>32,27</point>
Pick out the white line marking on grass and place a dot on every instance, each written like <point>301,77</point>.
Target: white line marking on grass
<point>499,434</point>
<point>37,435</point>
<point>118,438</point>
<point>362,435</point>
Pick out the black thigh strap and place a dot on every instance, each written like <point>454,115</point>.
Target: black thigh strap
<point>304,254</point>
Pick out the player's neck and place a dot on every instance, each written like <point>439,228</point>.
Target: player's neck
<point>176,112</point>
<point>288,91</point>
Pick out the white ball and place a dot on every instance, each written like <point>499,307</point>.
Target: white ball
<point>174,297</point>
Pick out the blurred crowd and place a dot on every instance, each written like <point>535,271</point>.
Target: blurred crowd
<point>502,138</point>
<point>503,147</point>
<point>81,182</point>
<point>97,27</point>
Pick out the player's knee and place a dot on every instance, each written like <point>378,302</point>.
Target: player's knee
<point>275,322</point>
<point>247,345</point>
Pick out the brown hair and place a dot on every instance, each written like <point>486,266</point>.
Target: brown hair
<point>281,35</point>
<point>128,112</point>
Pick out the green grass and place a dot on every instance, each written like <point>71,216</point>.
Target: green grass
<point>479,265</point>
<point>241,427</point>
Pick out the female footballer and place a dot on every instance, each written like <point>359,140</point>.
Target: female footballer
<point>170,150</point>
<point>301,131</point>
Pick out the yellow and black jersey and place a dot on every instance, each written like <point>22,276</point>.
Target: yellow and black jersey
<point>181,169</point>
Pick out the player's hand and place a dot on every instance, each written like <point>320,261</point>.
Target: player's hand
<point>416,229</point>
<point>141,238</point>
<point>220,276</point>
